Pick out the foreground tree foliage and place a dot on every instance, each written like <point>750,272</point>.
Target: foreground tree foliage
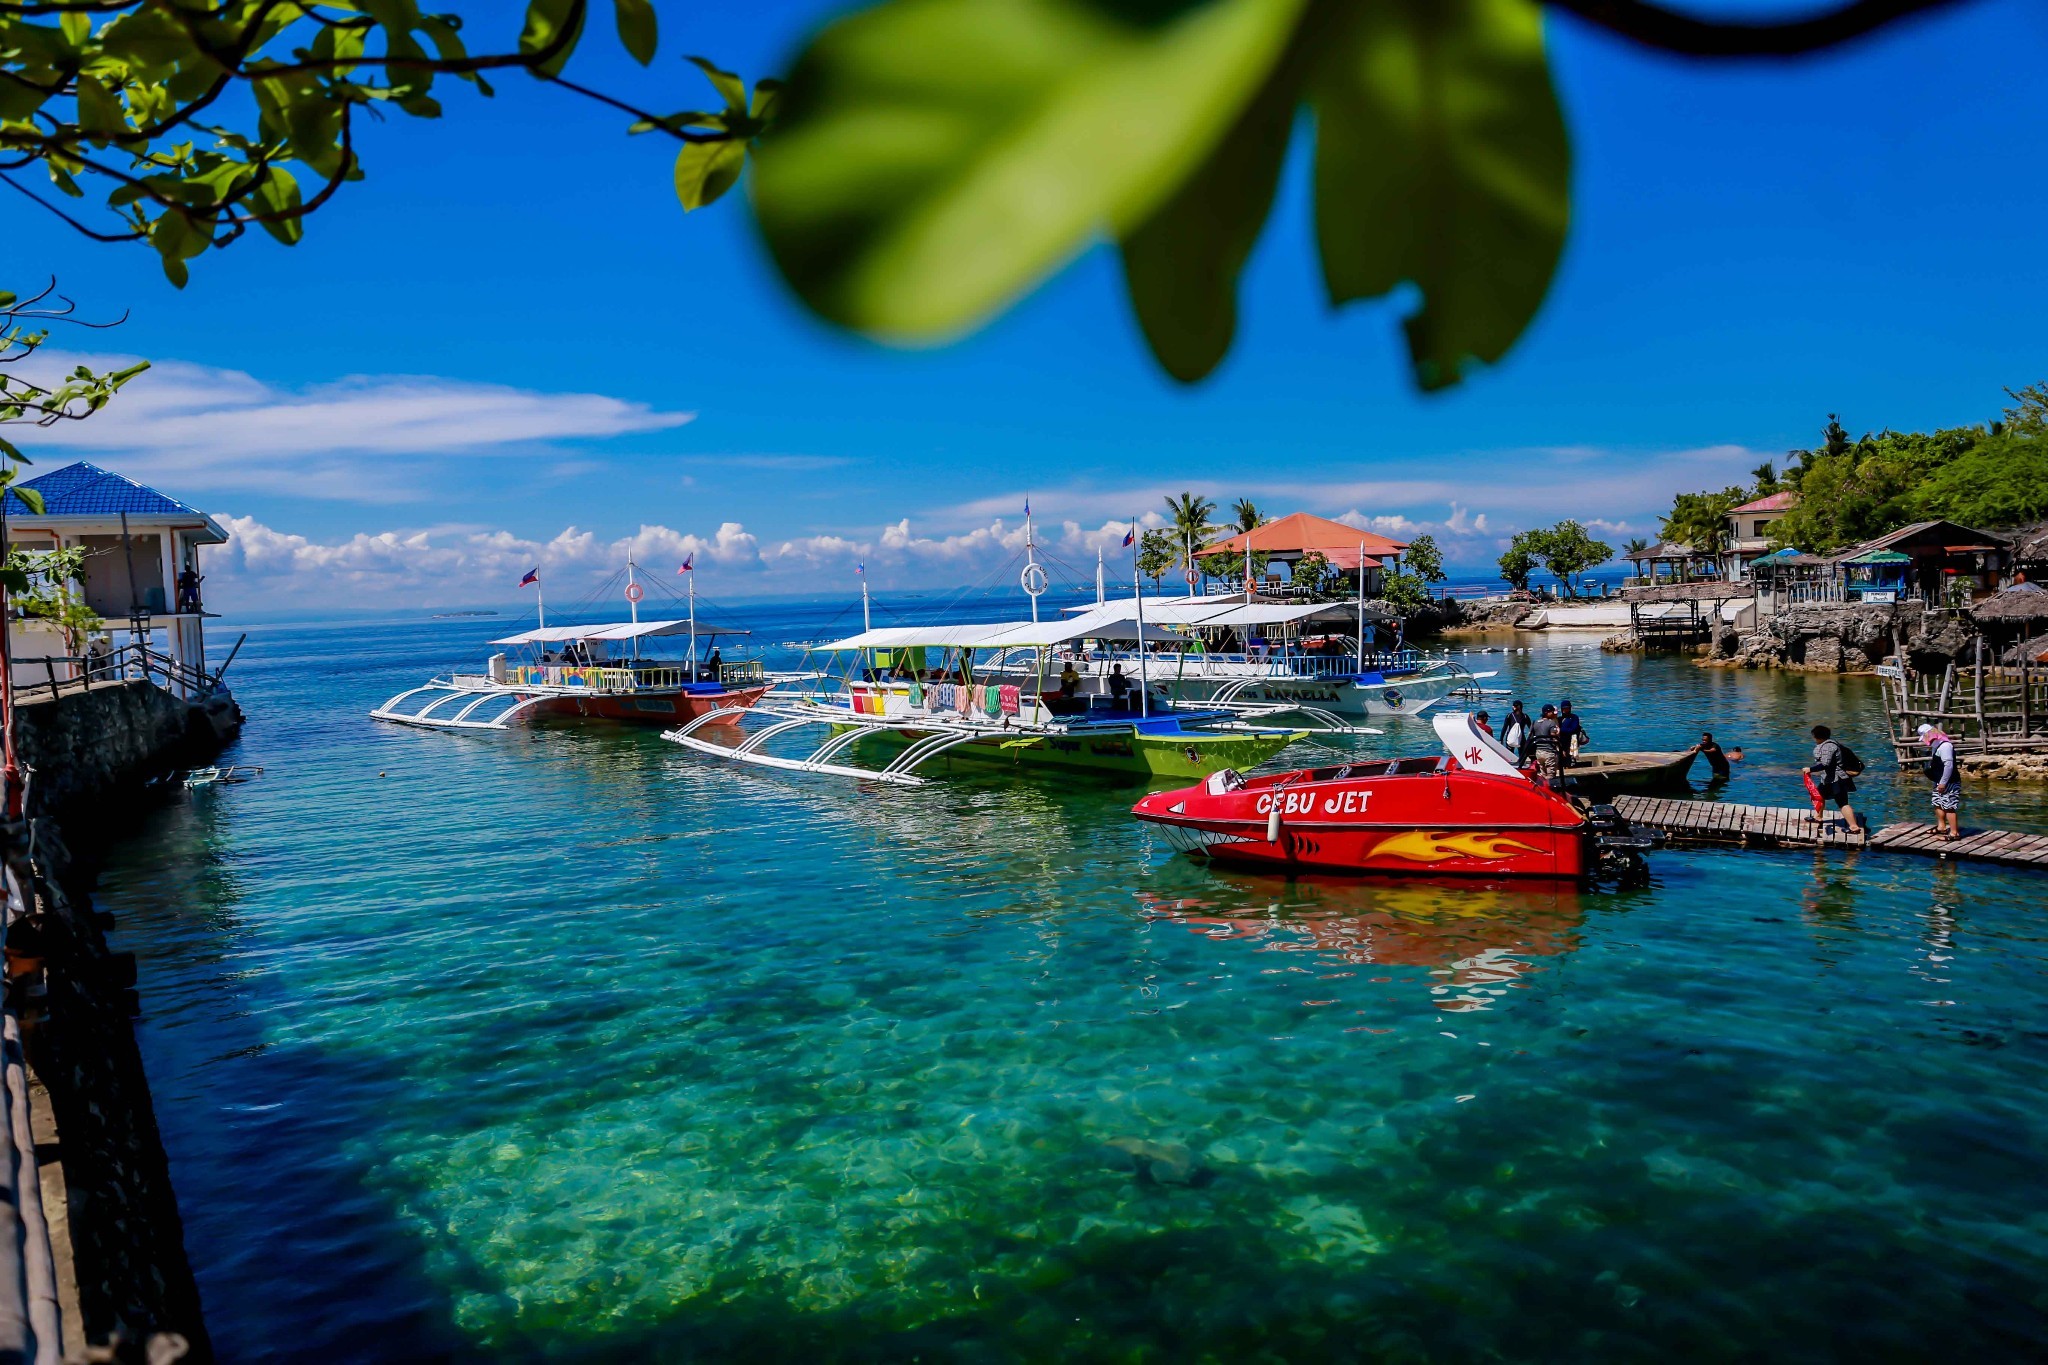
<point>936,159</point>
<point>182,123</point>
<point>24,401</point>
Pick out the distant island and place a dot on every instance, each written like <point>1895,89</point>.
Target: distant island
<point>451,615</point>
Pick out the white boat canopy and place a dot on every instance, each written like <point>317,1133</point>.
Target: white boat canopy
<point>612,630</point>
<point>1107,624</point>
<point>1207,613</point>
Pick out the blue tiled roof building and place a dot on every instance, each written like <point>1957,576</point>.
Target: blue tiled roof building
<point>86,490</point>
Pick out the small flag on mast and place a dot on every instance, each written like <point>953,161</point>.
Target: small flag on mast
<point>1130,535</point>
<point>688,561</point>
<point>532,577</point>
<point>861,568</point>
<point>1027,506</point>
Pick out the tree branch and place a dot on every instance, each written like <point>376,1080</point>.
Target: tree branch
<point>1667,30</point>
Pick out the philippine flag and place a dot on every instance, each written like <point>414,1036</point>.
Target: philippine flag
<point>532,577</point>
<point>1027,507</point>
<point>861,568</point>
<point>1130,535</point>
<point>689,560</point>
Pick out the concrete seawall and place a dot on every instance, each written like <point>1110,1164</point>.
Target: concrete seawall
<point>91,758</point>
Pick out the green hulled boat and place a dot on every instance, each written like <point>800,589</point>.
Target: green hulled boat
<point>911,694</point>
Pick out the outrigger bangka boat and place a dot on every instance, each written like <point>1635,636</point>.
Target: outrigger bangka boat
<point>915,693</point>
<point>1467,812</point>
<point>1270,659</point>
<point>592,672</point>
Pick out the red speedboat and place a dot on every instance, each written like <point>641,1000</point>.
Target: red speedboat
<point>1469,812</point>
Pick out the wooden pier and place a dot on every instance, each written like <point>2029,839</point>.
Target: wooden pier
<point>1668,629</point>
<point>1727,822</point>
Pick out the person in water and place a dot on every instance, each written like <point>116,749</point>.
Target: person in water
<point>1717,758</point>
<point>1547,745</point>
<point>1833,771</point>
<point>1948,785</point>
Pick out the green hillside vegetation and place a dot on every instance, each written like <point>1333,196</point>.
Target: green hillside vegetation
<point>1989,476</point>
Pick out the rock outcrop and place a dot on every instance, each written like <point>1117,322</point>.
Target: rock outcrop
<point>1844,637</point>
<point>112,741</point>
<point>1460,614</point>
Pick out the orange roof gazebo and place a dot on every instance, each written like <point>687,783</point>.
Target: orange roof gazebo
<point>1299,533</point>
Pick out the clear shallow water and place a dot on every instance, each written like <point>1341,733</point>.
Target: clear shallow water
<point>569,1043</point>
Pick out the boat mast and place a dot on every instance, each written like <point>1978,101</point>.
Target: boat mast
<point>633,604</point>
<point>866,624</point>
<point>1030,562</point>
<point>693,625</point>
<point>1361,606</point>
<point>1138,597</point>
<point>1190,574</point>
<point>1101,598</point>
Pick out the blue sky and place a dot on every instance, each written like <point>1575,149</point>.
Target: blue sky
<point>486,352</point>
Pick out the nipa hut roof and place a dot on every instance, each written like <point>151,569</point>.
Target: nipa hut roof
<point>2015,602</point>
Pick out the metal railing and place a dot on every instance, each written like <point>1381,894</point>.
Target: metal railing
<point>132,662</point>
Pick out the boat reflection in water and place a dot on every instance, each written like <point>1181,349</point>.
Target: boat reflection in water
<point>1473,941</point>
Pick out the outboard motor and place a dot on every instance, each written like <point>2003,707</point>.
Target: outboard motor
<point>1621,846</point>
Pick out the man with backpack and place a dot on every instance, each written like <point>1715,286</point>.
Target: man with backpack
<point>1833,773</point>
<point>1514,733</point>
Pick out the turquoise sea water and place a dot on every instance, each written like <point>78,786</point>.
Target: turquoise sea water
<point>568,1043</point>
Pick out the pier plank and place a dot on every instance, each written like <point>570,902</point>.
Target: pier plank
<point>1737,824</point>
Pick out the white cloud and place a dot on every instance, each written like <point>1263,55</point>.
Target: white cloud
<point>211,428</point>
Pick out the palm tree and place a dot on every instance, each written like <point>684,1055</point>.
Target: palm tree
<point>1636,548</point>
<point>1249,517</point>
<point>1191,526</point>
<point>1190,513</point>
<point>1766,476</point>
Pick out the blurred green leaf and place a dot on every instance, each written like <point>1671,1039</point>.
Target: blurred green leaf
<point>706,170</point>
<point>637,28</point>
<point>549,22</point>
<point>934,158</point>
<point>729,86</point>
<point>32,498</point>
<point>767,98</point>
<point>1442,159</point>
<point>1181,265</point>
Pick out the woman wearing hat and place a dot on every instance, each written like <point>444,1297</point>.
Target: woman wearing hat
<point>1948,787</point>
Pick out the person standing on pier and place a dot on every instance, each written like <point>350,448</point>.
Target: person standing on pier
<point>1572,735</point>
<point>1547,744</point>
<point>1514,732</point>
<point>1834,772</point>
<point>1948,784</point>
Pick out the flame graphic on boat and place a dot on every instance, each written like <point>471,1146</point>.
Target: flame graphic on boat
<point>1421,846</point>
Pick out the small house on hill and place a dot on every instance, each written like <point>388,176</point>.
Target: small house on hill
<point>1287,540</point>
<point>1936,562</point>
<point>1749,531</point>
<point>142,548</point>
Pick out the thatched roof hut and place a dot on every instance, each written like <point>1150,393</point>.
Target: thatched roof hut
<point>2015,604</point>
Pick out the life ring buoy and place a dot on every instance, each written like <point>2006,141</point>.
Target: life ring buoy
<point>1033,580</point>
<point>634,592</point>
